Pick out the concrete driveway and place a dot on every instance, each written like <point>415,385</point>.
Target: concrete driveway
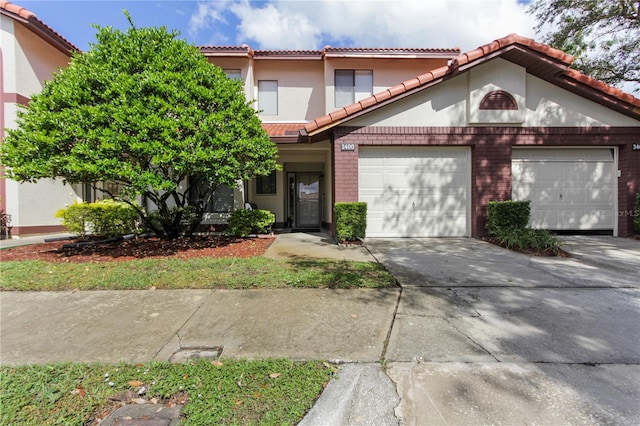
<point>484,335</point>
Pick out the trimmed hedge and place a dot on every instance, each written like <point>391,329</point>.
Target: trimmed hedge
<point>242,222</point>
<point>351,221</point>
<point>507,214</point>
<point>105,218</point>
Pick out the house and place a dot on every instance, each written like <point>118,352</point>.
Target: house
<point>30,52</point>
<point>427,137</point>
<point>508,120</point>
<point>292,88</point>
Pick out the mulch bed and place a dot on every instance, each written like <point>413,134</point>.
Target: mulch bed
<point>141,248</point>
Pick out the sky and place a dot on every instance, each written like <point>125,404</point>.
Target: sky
<point>296,24</point>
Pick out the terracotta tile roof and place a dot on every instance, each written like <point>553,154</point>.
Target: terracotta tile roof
<point>288,54</point>
<point>32,22</point>
<point>329,51</point>
<point>568,78</point>
<point>283,129</point>
<point>244,51</point>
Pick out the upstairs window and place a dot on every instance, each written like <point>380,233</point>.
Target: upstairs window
<point>268,97</point>
<point>233,74</point>
<point>352,86</point>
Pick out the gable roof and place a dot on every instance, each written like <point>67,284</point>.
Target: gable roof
<point>539,59</point>
<point>31,21</point>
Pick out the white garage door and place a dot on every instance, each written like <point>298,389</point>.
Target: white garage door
<point>415,192</point>
<point>569,189</point>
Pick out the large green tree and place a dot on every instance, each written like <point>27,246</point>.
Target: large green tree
<point>603,36</point>
<point>145,109</point>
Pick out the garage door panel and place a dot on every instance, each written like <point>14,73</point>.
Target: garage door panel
<point>424,191</point>
<point>569,189</point>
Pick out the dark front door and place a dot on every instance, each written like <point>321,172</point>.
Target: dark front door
<point>308,200</point>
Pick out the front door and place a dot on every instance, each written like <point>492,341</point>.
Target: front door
<point>306,196</point>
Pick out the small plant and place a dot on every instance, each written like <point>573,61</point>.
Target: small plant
<point>351,221</point>
<point>106,218</point>
<point>507,225</point>
<point>535,241</point>
<point>242,223</point>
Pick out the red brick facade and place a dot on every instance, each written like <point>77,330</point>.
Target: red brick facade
<point>491,159</point>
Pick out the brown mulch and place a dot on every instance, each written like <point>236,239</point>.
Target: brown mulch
<point>141,248</point>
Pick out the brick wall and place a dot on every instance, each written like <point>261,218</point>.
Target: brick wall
<point>491,158</point>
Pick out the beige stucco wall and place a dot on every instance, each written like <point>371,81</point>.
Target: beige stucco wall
<point>246,69</point>
<point>27,62</point>
<point>541,103</point>
<point>300,88</point>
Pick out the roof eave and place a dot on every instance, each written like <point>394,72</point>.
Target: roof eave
<point>43,31</point>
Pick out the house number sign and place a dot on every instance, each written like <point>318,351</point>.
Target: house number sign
<point>347,147</point>
<point>634,147</point>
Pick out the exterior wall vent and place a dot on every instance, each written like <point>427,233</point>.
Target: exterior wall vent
<point>498,100</point>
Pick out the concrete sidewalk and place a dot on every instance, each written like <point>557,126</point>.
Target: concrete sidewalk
<point>476,334</point>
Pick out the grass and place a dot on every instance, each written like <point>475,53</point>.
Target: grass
<point>196,273</point>
<point>225,392</point>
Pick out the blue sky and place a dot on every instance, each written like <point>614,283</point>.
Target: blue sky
<point>296,24</point>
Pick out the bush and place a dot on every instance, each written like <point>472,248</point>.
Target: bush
<point>351,221</point>
<point>244,222</point>
<point>106,218</point>
<point>502,215</point>
<point>536,241</point>
<point>636,216</point>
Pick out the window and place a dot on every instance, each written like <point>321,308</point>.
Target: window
<point>220,202</point>
<point>266,184</point>
<point>352,86</point>
<point>233,74</point>
<point>268,97</point>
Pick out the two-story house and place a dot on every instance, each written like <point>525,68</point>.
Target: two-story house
<point>291,88</point>
<point>427,137</point>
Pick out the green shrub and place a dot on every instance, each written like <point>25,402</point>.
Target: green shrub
<point>242,222</point>
<point>536,241</point>
<point>351,221</point>
<point>507,214</point>
<point>636,214</point>
<point>106,218</point>
<point>76,218</point>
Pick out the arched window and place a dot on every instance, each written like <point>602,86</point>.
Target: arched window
<point>498,99</point>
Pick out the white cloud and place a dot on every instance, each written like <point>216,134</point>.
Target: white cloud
<point>291,24</point>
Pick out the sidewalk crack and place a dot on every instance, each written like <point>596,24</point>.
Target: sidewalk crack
<point>177,333</point>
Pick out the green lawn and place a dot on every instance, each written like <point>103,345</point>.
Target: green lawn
<point>236,392</point>
<point>226,392</point>
<point>201,273</point>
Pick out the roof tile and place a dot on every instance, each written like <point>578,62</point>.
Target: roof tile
<point>282,129</point>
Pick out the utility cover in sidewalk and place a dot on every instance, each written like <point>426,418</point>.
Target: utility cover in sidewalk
<point>188,354</point>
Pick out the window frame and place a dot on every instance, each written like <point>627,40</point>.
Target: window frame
<point>271,185</point>
<point>268,97</point>
<point>358,79</point>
